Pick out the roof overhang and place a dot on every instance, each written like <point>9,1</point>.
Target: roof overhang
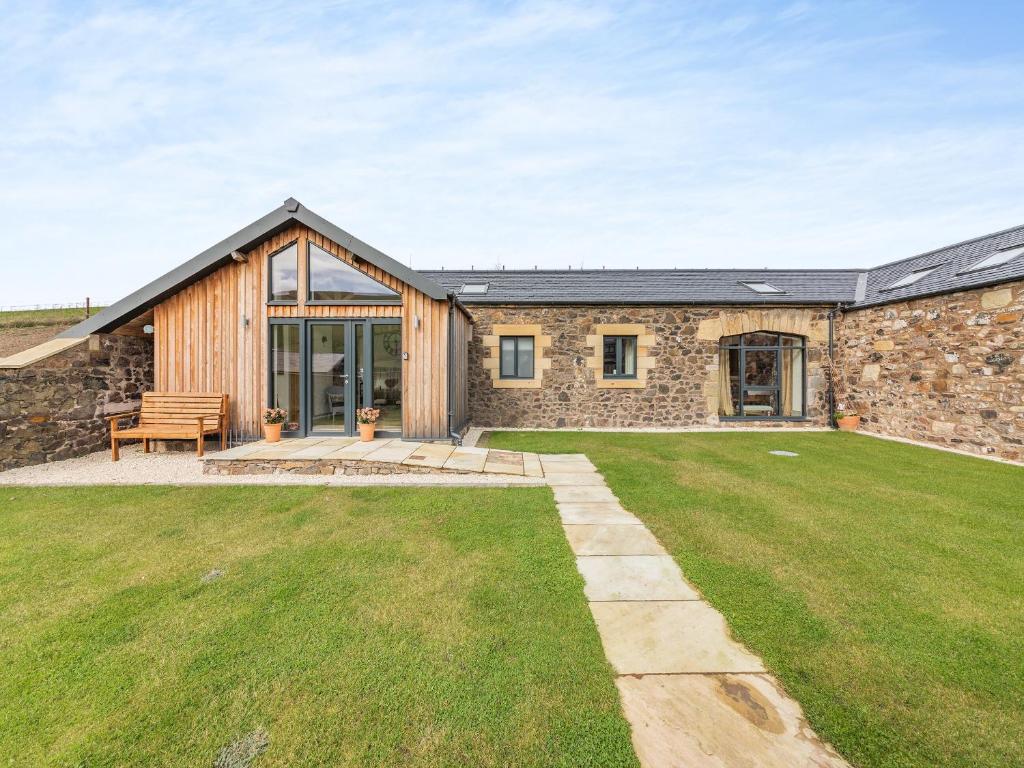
<point>291,212</point>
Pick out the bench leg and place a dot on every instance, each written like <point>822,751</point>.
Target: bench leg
<point>145,445</point>
<point>223,440</point>
<point>199,445</point>
<point>115,454</point>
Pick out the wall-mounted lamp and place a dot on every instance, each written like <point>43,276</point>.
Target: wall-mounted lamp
<point>245,321</point>
<point>416,321</point>
<point>148,329</point>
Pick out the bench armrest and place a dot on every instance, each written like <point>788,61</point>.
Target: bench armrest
<point>119,416</point>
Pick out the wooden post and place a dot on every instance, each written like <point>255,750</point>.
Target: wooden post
<point>86,307</point>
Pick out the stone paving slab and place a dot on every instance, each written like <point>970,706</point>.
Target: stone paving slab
<point>719,721</point>
<point>504,462</point>
<point>395,451</point>
<point>595,513</point>
<point>532,466</point>
<point>576,479</point>
<point>358,450</point>
<point>430,455</point>
<point>643,638</point>
<point>597,493</point>
<point>633,577</point>
<point>467,459</point>
<point>323,448</point>
<point>238,452</point>
<point>565,467</point>
<point>612,540</point>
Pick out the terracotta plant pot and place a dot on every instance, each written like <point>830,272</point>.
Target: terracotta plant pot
<point>366,432</point>
<point>848,423</point>
<point>272,432</point>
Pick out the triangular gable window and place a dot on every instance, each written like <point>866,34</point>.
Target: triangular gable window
<point>331,279</point>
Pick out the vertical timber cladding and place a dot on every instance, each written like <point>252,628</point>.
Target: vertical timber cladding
<point>212,336</point>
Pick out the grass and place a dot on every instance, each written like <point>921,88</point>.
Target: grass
<point>383,627</point>
<point>31,318</point>
<point>883,583</point>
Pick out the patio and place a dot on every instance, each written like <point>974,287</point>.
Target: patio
<point>349,456</point>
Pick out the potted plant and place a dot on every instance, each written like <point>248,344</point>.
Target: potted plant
<point>273,418</point>
<point>846,416</point>
<point>367,419</point>
<point>847,420</point>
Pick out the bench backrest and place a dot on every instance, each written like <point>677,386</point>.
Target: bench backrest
<point>167,409</point>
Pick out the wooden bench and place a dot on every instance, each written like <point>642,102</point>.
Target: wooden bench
<point>173,416</point>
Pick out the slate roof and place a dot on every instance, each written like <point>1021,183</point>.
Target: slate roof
<point>244,240</point>
<point>651,286</point>
<point>951,261</point>
<point>851,287</point>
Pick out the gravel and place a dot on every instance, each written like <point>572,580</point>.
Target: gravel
<point>137,468</point>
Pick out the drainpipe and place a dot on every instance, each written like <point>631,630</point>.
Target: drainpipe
<point>831,354</point>
<point>456,439</point>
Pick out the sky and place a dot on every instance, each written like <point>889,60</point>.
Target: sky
<point>458,134</point>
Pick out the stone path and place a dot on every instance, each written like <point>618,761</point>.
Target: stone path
<point>693,696</point>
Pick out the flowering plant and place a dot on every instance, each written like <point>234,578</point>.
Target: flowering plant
<point>367,415</point>
<point>274,415</point>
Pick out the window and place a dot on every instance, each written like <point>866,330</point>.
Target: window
<point>913,277</point>
<point>332,280</point>
<point>516,353</point>
<point>996,259</point>
<point>762,287</point>
<point>619,357</point>
<point>284,274</point>
<point>762,376</point>
<point>474,289</point>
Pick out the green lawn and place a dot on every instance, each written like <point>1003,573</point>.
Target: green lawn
<point>883,583</point>
<point>362,627</point>
<point>27,318</point>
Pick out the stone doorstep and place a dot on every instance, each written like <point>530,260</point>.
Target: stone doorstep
<point>611,540</point>
<point>633,577</point>
<point>394,451</point>
<point>642,638</point>
<point>595,513</point>
<point>740,721</point>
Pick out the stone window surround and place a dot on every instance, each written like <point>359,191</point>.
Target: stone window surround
<point>645,339</point>
<point>492,361</point>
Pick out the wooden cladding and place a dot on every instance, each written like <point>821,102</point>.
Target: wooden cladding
<point>462,330</point>
<point>212,336</point>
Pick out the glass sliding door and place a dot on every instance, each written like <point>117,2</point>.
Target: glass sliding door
<point>286,372</point>
<point>386,351</point>
<point>321,371</point>
<point>329,389</point>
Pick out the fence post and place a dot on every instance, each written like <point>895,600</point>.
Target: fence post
<point>86,307</point>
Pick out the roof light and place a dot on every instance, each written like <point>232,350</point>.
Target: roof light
<point>910,279</point>
<point>995,259</point>
<point>762,287</point>
<point>474,289</point>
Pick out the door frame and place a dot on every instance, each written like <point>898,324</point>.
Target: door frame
<point>353,398</point>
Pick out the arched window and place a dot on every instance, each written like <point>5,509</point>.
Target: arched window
<point>762,375</point>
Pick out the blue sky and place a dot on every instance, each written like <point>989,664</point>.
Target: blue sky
<point>451,134</point>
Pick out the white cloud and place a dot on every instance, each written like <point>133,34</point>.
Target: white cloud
<point>458,134</point>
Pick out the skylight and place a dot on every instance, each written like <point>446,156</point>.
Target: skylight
<point>762,287</point>
<point>997,258</point>
<point>474,289</point>
<point>910,279</point>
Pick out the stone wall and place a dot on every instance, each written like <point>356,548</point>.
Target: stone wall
<point>54,409</point>
<point>679,352</point>
<point>945,369</point>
